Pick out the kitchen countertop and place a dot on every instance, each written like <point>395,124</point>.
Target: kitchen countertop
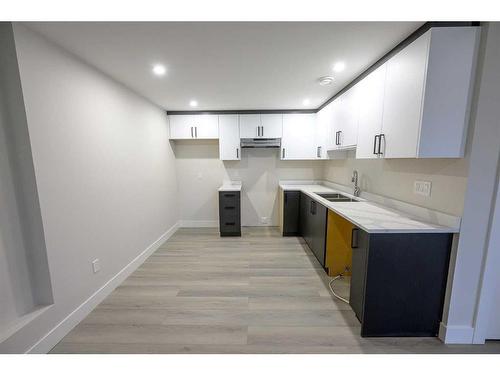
<point>369,216</point>
<point>230,186</point>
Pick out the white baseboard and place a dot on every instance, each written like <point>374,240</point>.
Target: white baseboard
<point>455,334</point>
<point>198,223</point>
<point>46,343</point>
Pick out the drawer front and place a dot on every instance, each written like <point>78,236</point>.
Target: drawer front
<point>229,198</point>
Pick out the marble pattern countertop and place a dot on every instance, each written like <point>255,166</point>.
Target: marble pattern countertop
<point>230,186</point>
<point>369,216</point>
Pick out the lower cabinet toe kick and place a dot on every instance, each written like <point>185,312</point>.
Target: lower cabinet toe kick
<point>398,280</point>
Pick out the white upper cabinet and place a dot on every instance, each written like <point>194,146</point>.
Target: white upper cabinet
<point>261,125</point>
<point>404,89</point>
<point>229,138</point>
<point>371,108</point>
<point>427,95</point>
<point>194,126</point>
<point>323,131</point>
<point>250,126</point>
<point>299,137</point>
<point>272,125</point>
<point>345,111</point>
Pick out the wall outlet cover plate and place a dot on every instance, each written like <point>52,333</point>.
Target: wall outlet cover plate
<point>422,188</point>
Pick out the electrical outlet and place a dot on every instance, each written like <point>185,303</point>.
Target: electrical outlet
<point>96,265</point>
<point>264,220</point>
<point>422,188</point>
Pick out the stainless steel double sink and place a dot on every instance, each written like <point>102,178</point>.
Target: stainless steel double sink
<point>336,197</point>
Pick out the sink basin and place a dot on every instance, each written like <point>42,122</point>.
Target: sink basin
<point>336,197</point>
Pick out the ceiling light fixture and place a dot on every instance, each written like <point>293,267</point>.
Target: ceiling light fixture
<point>193,103</point>
<point>325,81</point>
<point>159,69</point>
<point>338,67</point>
<point>306,102</point>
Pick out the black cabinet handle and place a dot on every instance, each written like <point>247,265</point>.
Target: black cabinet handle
<point>229,195</point>
<point>340,132</point>
<point>229,208</point>
<point>262,132</point>
<point>375,145</point>
<point>196,132</point>
<point>230,223</point>
<point>336,138</point>
<point>237,153</point>
<point>283,153</point>
<point>318,153</point>
<point>380,143</point>
<point>354,238</point>
<point>313,208</point>
<point>192,132</point>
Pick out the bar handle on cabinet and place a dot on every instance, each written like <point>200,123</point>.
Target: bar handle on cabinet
<point>237,153</point>
<point>375,145</point>
<point>262,131</point>
<point>354,238</point>
<point>340,140</point>
<point>380,143</point>
<point>318,152</point>
<point>283,153</point>
<point>196,132</point>
<point>192,132</point>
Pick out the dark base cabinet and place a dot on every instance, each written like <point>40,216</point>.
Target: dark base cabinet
<point>291,213</point>
<point>398,282</point>
<point>313,222</point>
<point>229,213</point>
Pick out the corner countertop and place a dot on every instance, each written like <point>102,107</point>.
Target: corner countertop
<point>230,186</point>
<point>369,216</point>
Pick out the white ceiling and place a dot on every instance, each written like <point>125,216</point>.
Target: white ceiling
<point>228,66</point>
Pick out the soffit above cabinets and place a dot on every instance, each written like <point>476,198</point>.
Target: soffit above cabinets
<point>229,66</point>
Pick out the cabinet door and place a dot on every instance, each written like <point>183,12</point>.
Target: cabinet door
<point>403,100</point>
<point>291,213</point>
<point>229,137</point>
<point>348,126</point>
<point>206,126</point>
<point>299,141</point>
<point>337,120</point>
<point>181,127</point>
<point>249,126</point>
<point>359,268</point>
<point>305,217</point>
<point>318,231</point>
<point>272,125</point>
<point>371,109</point>
<point>323,124</point>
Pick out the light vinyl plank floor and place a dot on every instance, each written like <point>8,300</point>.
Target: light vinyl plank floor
<point>259,293</point>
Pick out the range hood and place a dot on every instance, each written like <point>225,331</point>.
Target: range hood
<point>260,142</point>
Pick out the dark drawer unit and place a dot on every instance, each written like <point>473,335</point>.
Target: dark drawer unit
<point>398,282</point>
<point>291,213</point>
<point>229,213</point>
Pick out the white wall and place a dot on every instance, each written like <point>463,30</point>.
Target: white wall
<point>200,173</point>
<point>105,173</point>
<point>394,178</point>
<point>460,309</point>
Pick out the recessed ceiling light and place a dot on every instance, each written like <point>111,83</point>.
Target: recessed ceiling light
<point>193,103</point>
<point>306,102</point>
<point>159,69</point>
<point>339,66</point>
<point>326,80</point>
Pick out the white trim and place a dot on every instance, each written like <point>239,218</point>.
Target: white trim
<point>455,334</point>
<point>46,343</point>
<point>198,223</point>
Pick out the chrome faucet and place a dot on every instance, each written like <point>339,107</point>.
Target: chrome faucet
<point>355,180</point>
